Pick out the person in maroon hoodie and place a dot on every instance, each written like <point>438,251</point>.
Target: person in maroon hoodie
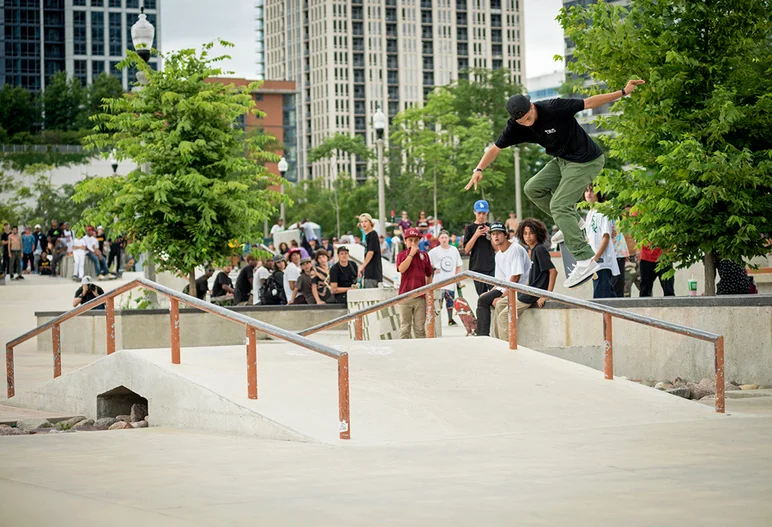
<point>416,270</point>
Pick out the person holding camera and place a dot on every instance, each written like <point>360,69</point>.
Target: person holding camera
<point>86,292</point>
<point>477,244</point>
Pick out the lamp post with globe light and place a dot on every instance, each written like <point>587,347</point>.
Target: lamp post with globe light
<point>379,123</point>
<point>142,35</point>
<point>283,167</point>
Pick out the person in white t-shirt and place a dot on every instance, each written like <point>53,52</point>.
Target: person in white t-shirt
<point>278,227</point>
<point>446,261</point>
<point>261,275</point>
<point>512,265</point>
<point>599,232</point>
<point>79,250</point>
<point>292,272</point>
<point>309,229</point>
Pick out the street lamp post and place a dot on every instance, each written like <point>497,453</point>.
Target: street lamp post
<point>518,190</point>
<point>379,122</point>
<point>283,167</point>
<point>113,161</point>
<point>142,35</point>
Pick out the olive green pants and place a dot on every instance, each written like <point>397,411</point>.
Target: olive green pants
<point>556,190</point>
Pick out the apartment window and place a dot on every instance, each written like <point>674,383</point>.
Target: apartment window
<point>150,4</point>
<point>393,108</point>
<point>132,4</point>
<point>116,42</point>
<point>356,13</point>
<point>81,3</point>
<point>359,60</point>
<point>428,48</point>
<point>97,3</point>
<point>97,33</point>
<point>392,77</point>
<point>81,71</point>
<point>359,108</point>
<point>392,62</point>
<point>359,75</point>
<point>359,91</point>
<point>495,20</point>
<point>426,31</point>
<point>393,93</point>
<point>391,46</point>
<point>462,34</point>
<point>460,19</point>
<point>427,4</point>
<point>360,123</point>
<point>460,5</point>
<point>391,14</point>
<point>97,68</point>
<point>357,28</point>
<point>495,4</point>
<point>428,63</point>
<point>115,3</point>
<point>428,78</point>
<point>391,30</point>
<point>463,49</point>
<point>79,32</point>
<point>496,50</point>
<point>426,17</point>
<point>496,35</point>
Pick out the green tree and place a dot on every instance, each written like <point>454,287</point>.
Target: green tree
<point>207,186</point>
<point>64,103</point>
<point>19,111</point>
<point>699,134</point>
<point>104,87</point>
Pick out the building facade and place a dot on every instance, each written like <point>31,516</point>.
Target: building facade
<point>545,86</point>
<point>351,57</point>
<point>276,99</point>
<point>82,37</point>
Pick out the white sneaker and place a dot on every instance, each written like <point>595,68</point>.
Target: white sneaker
<point>582,272</point>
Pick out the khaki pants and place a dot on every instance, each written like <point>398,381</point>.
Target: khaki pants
<point>412,314</point>
<point>500,325</point>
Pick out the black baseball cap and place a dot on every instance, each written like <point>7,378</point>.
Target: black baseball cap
<point>498,227</point>
<point>518,105</point>
<point>342,248</point>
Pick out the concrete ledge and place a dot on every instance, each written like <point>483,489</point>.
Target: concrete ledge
<point>149,328</point>
<point>678,301</point>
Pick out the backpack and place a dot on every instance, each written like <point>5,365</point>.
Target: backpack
<point>272,292</point>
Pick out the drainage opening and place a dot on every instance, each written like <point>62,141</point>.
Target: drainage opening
<point>118,401</point>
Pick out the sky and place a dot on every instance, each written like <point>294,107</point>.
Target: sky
<point>190,23</point>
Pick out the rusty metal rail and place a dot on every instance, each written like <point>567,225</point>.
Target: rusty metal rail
<point>609,313</point>
<point>252,327</point>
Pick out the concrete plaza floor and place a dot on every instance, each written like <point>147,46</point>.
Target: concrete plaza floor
<point>714,470</point>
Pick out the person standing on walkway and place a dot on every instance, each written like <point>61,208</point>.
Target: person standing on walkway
<point>446,261</point>
<point>648,266</point>
<point>15,248</point>
<point>599,231</point>
<point>416,269</point>
<point>477,244</point>
<point>577,160</point>
<point>372,268</point>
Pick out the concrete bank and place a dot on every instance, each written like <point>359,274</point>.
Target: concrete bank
<point>149,328</point>
<point>641,352</point>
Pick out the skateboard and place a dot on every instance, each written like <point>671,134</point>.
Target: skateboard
<point>466,315</point>
<point>569,262</point>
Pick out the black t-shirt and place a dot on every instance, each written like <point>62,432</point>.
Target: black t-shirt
<point>6,245</point>
<point>101,243</point>
<point>54,234</point>
<point>556,129</point>
<point>202,286</point>
<point>243,284</point>
<point>374,270</point>
<point>344,277</point>
<point>92,292</point>
<point>422,225</point>
<point>482,258</point>
<point>539,277</point>
<point>221,280</point>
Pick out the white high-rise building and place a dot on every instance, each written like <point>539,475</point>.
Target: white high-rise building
<point>350,57</point>
<point>82,37</point>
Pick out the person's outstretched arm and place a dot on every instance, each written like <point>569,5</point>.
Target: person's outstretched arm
<point>487,158</point>
<point>605,98</point>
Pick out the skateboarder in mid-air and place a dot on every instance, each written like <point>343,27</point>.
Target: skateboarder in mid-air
<point>577,160</point>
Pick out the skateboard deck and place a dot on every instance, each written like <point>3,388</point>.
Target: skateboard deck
<point>568,265</point>
<point>466,315</point>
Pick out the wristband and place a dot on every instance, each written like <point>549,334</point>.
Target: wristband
<point>623,92</point>
<point>478,169</point>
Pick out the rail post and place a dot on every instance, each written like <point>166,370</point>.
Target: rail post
<point>9,373</point>
<point>512,318</point>
<point>110,325</point>
<point>358,328</point>
<point>430,314</point>
<point>719,359</point>
<point>174,311</point>
<point>251,362</point>
<point>608,356</point>
<point>56,337</point>
<point>344,418</point>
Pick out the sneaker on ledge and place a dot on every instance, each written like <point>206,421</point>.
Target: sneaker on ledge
<point>452,322</point>
<point>582,272</point>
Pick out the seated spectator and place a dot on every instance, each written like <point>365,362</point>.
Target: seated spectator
<point>283,248</point>
<point>291,273</point>
<point>223,285</point>
<point>734,279</point>
<point>272,289</point>
<point>202,284</point>
<point>343,276</point>
<point>94,254</point>
<point>87,292</point>
<point>44,265</point>
<point>303,251</point>
<point>541,276</point>
<point>321,272</point>
<point>261,274</point>
<point>305,291</point>
<point>59,252</point>
<point>243,293</point>
<point>385,248</point>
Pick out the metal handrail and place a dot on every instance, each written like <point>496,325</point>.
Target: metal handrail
<point>512,288</point>
<point>176,297</point>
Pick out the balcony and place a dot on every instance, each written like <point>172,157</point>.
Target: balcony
<point>391,46</point>
<point>391,30</point>
<point>426,17</point>
<point>359,60</point>
<point>427,48</point>
<point>460,19</point>
<point>357,13</point>
<point>426,32</point>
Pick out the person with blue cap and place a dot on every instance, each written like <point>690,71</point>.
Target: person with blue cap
<point>576,162</point>
<point>477,244</point>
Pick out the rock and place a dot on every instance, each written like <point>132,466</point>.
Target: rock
<point>140,424</point>
<point>69,423</point>
<point>708,383</point>
<point>663,386</point>
<point>90,428</point>
<point>651,383</point>
<point>120,425</point>
<point>147,419</point>
<point>82,424</point>
<point>138,412</point>
<point>26,425</point>
<point>44,430</point>
<point>678,382</point>
<point>749,386</point>
<point>680,391</point>
<point>106,422</point>
<point>6,430</point>
<point>126,418</point>
<point>698,391</point>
